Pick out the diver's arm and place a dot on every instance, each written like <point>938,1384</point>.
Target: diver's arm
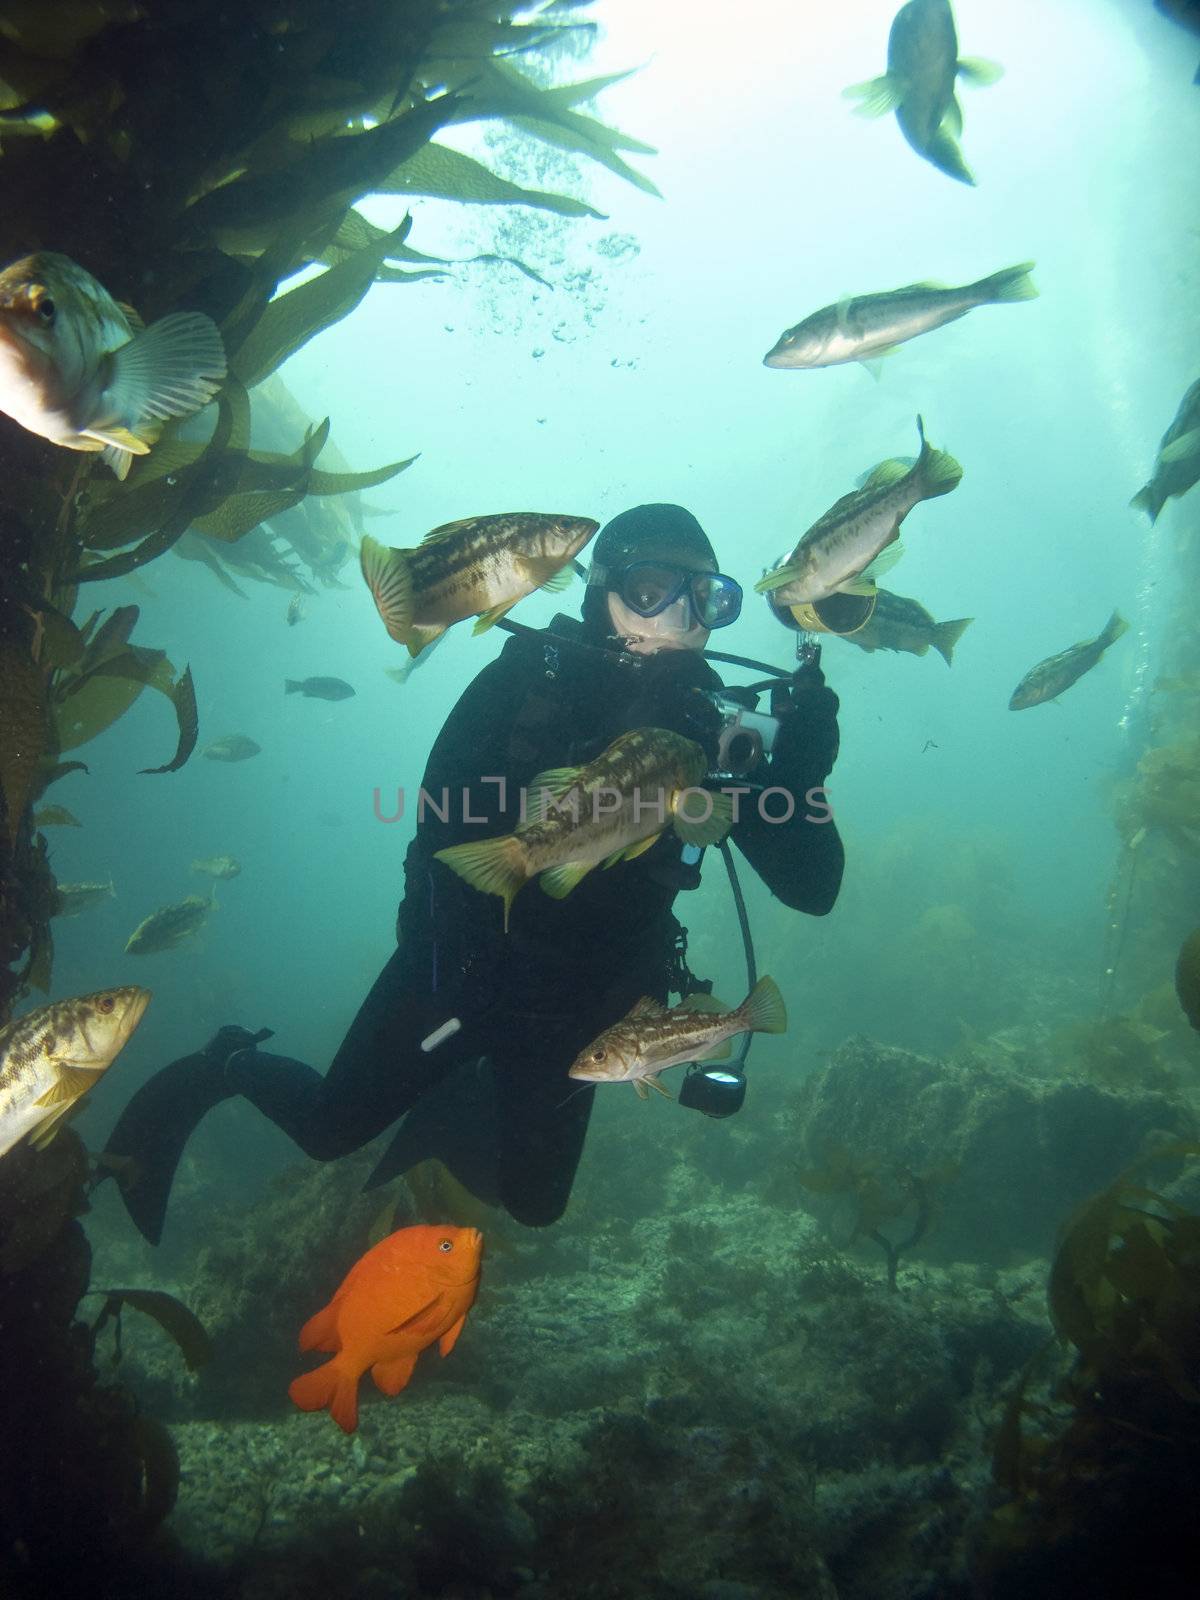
<point>799,860</point>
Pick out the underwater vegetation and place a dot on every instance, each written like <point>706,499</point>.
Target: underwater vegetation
<point>1187,978</point>
<point>192,159</point>
<point>1094,1477</point>
<point>1164,795</point>
<point>885,1195</point>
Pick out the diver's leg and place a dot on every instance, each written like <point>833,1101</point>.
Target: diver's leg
<point>541,1122</point>
<point>377,1073</point>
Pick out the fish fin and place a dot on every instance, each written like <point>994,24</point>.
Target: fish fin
<point>1187,444</point>
<point>391,1376</point>
<point>1113,629</point>
<point>132,316</point>
<point>763,1010</point>
<point>168,370</point>
<point>549,573</point>
<point>1008,286</point>
<point>1144,499</point>
<point>859,585</point>
<point>611,861</point>
<point>445,529</point>
<point>49,1126</point>
<point>887,473</point>
<point>320,1331</point>
<point>544,789</point>
<point>489,618</point>
<point>330,1386</point>
<point>388,575</point>
<point>420,637</point>
<point>951,122</point>
<point>947,634</point>
<point>640,1089</point>
<point>699,1001</point>
<point>291,686</point>
<point>939,471</point>
<point>559,881</point>
<point>633,851</point>
<point>450,1338</point>
<point>647,1006</point>
<point>884,561</point>
<point>979,72</point>
<point>119,460</point>
<point>874,366</point>
<point>115,443</point>
<point>493,866</point>
<point>651,1082</point>
<point>706,830</point>
<point>776,579</point>
<point>878,95</point>
<point>67,1087</point>
<point>720,1052</point>
<point>842,312</point>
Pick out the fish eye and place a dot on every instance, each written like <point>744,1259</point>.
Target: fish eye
<point>46,309</point>
<point>445,1244</point>
<point>106,1005</point>
<point>599,1055</point>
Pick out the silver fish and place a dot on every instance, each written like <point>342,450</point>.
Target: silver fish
<point>80,370</point>
<point>53,1055</point>
<point>872,325</point>
<point>834,554</point>
<point>651,1038</point>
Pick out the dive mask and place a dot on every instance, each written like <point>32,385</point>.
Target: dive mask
<point>649,587</point>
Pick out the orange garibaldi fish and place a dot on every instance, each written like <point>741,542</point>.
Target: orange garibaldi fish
<point>413,1287</point>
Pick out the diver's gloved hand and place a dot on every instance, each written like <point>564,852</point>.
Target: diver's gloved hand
<point>806,744</point>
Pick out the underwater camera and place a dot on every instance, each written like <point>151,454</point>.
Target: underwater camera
<point>716,1091</point>
<point>747,734</point>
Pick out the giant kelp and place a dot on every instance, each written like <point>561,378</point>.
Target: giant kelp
<point>193,155</point>
<point>1094,1492</point>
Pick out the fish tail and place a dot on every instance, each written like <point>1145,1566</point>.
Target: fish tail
<point>494,866</point>
<point>763,1010</point>
<point>937,470</point>
<point>388,575</point>
<point>328,1386</point>
<point>947,634</point>
<point>1014,283</point>
<point>1113,629</point>
<point>290,686</point>
<point>1148,501</point>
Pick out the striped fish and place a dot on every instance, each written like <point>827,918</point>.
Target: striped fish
<point>476,567</point>
<point>53,1055</point>
<point>610,810</point>
<point>833,556</point>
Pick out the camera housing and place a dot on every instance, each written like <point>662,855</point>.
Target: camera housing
<point>746,735</point>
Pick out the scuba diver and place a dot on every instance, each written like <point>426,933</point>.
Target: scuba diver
<point>468,1032</point>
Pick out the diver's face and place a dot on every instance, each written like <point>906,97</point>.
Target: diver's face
<point>675,628</point>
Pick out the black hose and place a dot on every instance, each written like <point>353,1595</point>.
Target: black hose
<point>747,942</point>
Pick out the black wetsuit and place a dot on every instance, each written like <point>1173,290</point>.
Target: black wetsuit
<point>512,1126</point>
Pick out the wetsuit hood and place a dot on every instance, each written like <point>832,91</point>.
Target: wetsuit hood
<point>658,531</point>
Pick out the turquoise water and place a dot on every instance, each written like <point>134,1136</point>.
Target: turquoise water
<point>980,843</point>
